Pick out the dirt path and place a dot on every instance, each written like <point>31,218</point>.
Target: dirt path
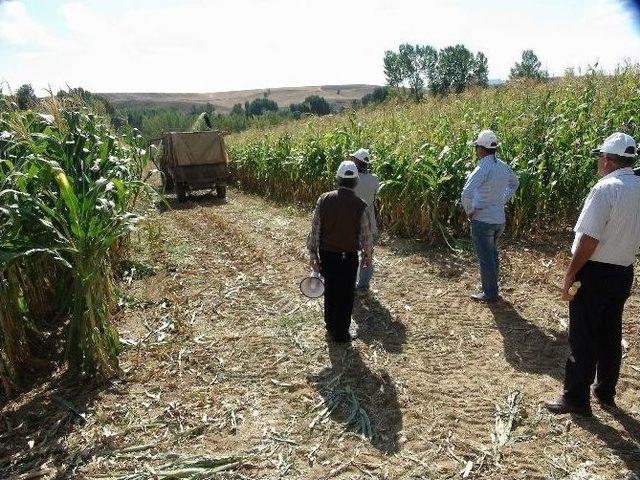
<point>225,357</point>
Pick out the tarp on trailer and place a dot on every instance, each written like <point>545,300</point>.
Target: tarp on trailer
<point>194,148</point>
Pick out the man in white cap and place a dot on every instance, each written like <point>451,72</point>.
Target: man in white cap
<point>487,190</point>
<point>339,230</point>
<point>607,238</point>
<point>367,190</point>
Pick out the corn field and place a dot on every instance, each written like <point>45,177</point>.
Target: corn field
<point>67,188</point>
<point>420,151</point>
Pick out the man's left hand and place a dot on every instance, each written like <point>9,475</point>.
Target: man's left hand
<point>568,281</point>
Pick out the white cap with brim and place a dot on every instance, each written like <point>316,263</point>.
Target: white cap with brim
<point>618,144</point>
<point>486,139</point>
<point>347,169</point>
<point>363,155</point>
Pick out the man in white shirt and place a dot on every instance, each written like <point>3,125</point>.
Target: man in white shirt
<point>487,190</point>
<point>607,238</point>
<point>367,190</point>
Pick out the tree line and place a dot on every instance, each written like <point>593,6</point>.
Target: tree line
<point>313,104</point>
<point>451,69</point>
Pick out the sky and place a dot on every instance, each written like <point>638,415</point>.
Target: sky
<point>221,45</point>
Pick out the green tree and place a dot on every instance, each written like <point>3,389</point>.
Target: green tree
<point>412,64</point>
<point>480,71</point>
<point>393,68</point>
<point>135,117</point>
<point>237,109</point>
<point>99,103</point>
<point>156,124</point>
<point>455,64</point>
<point>456,69</point>
<point>379,95</point>
<point>260,105</point>
<point>197,108</point>
<point>318,105</point>
<point>297,109</point>
<point>26,97</point>
<point>529,67</point>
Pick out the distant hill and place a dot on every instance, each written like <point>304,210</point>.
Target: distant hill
<point>224,101</point>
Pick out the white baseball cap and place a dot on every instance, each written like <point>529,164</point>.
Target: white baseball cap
<point>363,155</point>
<point>347,169</point>
<point>618,144</point>
<point>486,139</point>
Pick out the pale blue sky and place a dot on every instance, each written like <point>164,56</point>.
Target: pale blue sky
<point>216,45</point>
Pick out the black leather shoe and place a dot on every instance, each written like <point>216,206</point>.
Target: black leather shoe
<point>560,406</point>
<point>607,403</point>
<point>481,297</point>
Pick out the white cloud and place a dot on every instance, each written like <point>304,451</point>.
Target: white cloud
<point>17,28</point>
<point>198,45</point>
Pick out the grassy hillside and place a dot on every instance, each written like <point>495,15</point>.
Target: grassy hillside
<point>224,101</point>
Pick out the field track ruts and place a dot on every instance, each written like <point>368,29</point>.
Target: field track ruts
<point>244,368</point>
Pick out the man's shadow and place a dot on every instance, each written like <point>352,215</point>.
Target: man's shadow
<point>529,349</point>
<point>376,324</point>
<point>45,419</point>
<point>375,393</point>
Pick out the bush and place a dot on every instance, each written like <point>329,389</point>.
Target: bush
<point>379,95</point>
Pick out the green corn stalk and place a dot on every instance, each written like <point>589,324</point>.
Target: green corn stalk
<point>67,187</point>
<point>421,155</point>
<point>14,351</point>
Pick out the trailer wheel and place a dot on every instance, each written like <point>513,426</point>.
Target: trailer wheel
<point>181,192</point>
<point>221,191</point>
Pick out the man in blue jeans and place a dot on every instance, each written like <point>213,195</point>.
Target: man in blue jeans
<point>366,189</point>
<point>487,190</point>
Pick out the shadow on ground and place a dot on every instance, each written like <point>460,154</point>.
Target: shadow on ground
<point>447,263</point>
<point>625,447</point>
<point>32,434</point>
<point>377,325</point>
<point>529,349</point>
<point>375,393</point>
<point>193,200</point>
<point>454,260</point>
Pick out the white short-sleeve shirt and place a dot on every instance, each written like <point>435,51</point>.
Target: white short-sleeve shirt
<point>611,215</point>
